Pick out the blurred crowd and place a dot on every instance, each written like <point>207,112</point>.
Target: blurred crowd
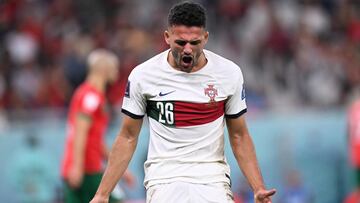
<point>293,53</point>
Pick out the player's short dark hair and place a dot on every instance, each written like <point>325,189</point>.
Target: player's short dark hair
<point>187,13</point>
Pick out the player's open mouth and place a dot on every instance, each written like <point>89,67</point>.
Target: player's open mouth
<point>187,60</point>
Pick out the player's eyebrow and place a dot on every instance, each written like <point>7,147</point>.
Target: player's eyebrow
<point>184,42</point>
<point>195,42</point>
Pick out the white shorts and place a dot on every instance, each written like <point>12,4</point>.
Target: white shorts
<point>183,192</point>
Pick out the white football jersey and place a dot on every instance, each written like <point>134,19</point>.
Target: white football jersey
<point>186,114</point>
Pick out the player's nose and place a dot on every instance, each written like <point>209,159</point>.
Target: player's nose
<point>187,48</point>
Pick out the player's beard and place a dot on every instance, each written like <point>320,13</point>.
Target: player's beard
<point>185,62</point>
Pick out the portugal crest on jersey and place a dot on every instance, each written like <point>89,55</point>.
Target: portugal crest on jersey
<point>211,92</point>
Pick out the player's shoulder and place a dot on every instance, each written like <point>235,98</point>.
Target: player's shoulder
<point>86,97</point>
<point>148,67</point>
<point>220,61</point>
<point>89,98</point>
<point>223,65</point>
<point>87,92</point>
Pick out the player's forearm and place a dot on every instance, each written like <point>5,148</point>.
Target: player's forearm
<point>245,155</point>
<point>79,149</point>
<point>82,125</point>
<point>118,161</point>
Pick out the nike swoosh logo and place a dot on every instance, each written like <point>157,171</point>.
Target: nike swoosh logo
<point>164,94</point>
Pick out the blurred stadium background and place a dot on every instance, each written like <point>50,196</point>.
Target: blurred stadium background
<point>301,64</point>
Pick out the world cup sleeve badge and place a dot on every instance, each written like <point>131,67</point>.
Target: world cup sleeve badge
<point>243,93</point>
<point>127,90</point>
<point>211,92</point>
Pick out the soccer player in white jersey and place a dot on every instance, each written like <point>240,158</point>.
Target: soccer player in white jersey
<point>188,94</point>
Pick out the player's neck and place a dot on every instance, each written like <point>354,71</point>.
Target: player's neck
<point>201,63</point>
<point>97,82</point>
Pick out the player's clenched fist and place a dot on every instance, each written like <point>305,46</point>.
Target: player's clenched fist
<point>264,196</point>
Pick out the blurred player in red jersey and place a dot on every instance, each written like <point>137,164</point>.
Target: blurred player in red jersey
<point>354,147</point>
<point>87,123</point>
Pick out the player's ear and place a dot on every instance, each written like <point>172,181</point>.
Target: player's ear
<point>206,36</point>
<point>167,37</point>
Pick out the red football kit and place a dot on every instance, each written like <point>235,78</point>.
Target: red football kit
<point>89,102</point>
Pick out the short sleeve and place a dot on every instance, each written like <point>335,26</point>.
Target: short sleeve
<point>236,103</point>
<point>89,103</point>
<point>134,103</point>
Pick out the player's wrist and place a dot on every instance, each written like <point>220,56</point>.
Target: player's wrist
<point>100,199</point>
<point>103,193</point>
<point>103,196</point>
<point>258,188</point>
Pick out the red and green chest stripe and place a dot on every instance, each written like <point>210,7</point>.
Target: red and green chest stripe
<point>184,114</point>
